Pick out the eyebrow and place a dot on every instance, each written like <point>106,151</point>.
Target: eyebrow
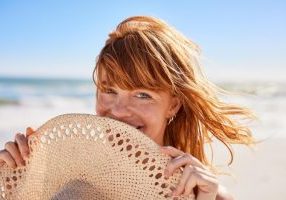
<point>104,82</point>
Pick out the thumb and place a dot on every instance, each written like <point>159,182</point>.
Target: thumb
<point>29,131</point>
<point>206,196</point>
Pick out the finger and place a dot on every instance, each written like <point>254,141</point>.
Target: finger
<point>207,186</point>
<point>182,160</point>
<point>183,180</point>
<point>204,196</point>
<point>190,185</point>
<point>172,151</point>
<point>22,143</point>
<point>202,171</point>
<point>12,148</point>
<point>5,157</point>
<point>190,177</point>
<point>195,173</point>
<point>29,131</point>
<point>189,171</point>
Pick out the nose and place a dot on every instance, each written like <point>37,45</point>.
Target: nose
<point>120,109</point>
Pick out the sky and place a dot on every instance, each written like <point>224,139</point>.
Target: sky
<point>239,39</point>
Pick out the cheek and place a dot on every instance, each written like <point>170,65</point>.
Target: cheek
<point>103,104</point>
<point>155,124</point>
<point>153,117</point>
<point>153,113</point>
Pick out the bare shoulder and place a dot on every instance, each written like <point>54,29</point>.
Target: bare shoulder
<point>223,194</point>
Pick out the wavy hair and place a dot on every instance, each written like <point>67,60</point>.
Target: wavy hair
<point>145,52</point>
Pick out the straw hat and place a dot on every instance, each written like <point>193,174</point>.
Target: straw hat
<point>82,156</point>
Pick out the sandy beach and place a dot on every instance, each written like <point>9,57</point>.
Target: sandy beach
<point>259,173</point>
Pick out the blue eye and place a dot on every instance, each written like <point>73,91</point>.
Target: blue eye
<point>143,95</point>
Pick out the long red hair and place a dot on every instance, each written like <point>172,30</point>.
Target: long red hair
<point>145,52</point>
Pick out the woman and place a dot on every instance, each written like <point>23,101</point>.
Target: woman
<point>148,75</point>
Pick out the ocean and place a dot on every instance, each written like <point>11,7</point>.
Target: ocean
<point>30,102</point>
<point>45,92</point>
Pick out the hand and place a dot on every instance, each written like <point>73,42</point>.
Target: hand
<point>15,153</point>
<point>195,174</point>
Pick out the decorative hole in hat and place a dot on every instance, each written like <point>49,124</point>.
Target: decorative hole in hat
<point>83,156</point>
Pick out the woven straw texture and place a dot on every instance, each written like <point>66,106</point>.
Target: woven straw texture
<point>82,156</point>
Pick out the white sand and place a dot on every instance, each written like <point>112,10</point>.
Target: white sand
<point>259,174</point>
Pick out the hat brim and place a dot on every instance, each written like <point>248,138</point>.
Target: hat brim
<point>91,157</point>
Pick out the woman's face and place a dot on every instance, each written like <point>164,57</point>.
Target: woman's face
<point>143,109</point>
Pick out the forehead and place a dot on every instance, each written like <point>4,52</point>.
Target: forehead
<point>103,81</point>
<point>125,81</point>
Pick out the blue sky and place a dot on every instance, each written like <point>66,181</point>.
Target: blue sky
<point>239,39</point>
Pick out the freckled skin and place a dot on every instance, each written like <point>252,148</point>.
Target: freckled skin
<point>139,107</point>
